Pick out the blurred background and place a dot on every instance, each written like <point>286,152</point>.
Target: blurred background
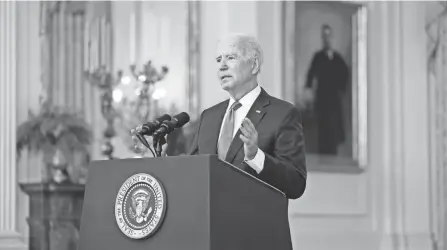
<point>75,77</point>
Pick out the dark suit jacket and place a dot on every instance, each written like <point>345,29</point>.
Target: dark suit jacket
<point>280,137</point>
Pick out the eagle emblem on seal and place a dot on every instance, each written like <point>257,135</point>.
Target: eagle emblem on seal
<point>139,211</point>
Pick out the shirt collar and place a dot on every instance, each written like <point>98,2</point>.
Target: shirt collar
<point>249,98</point>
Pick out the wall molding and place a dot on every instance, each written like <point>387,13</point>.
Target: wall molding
<point>351,197</point>
<point>413,241</point>
<point>348,240</point>
<point>365,240</point>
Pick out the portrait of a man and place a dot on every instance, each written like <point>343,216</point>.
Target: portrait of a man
<point>327,79</point>
<point>328,74</point>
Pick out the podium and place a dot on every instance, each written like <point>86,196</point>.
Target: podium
<point>203,204</point>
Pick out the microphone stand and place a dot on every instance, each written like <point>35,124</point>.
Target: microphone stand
<point>158,142</point>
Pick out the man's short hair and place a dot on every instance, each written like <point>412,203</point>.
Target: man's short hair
<point>249,47</point>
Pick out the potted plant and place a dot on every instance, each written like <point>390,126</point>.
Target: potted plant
<point>59,134</point>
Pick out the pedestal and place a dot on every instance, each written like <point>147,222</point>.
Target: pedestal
<point>55,214</point>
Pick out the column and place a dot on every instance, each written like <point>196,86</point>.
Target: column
<point>7,125</point>
<point>9,238</point>
<point>406,150</point>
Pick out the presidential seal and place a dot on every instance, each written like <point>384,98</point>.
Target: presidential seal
<point>140,206</point>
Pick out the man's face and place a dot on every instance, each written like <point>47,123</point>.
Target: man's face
<point>232,69</point>
<point>327,38</point>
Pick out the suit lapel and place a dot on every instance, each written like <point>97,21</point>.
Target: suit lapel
<point>255,114</point>
<point>212,127</point>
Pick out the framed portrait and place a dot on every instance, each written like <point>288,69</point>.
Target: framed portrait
<point>325,76</point>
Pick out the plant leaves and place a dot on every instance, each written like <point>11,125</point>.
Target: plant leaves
<point>37,133</point>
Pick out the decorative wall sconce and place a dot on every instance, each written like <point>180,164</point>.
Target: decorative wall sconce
<point>148,77</point>
<point>145,93</point>
<point>104,80</point>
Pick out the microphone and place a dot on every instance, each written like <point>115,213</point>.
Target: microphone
<point>168,126</point>
<point>150,127</point>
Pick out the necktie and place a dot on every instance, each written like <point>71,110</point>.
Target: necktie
<point>226,136</point>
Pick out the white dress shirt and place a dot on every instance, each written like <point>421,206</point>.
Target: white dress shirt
<point>257,163</point>
<point>330,54</point>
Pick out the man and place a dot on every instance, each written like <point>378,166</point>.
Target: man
<point>331,73</point>
<point>253,130</point>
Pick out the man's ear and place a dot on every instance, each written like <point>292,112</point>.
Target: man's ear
<point>255,66</point>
